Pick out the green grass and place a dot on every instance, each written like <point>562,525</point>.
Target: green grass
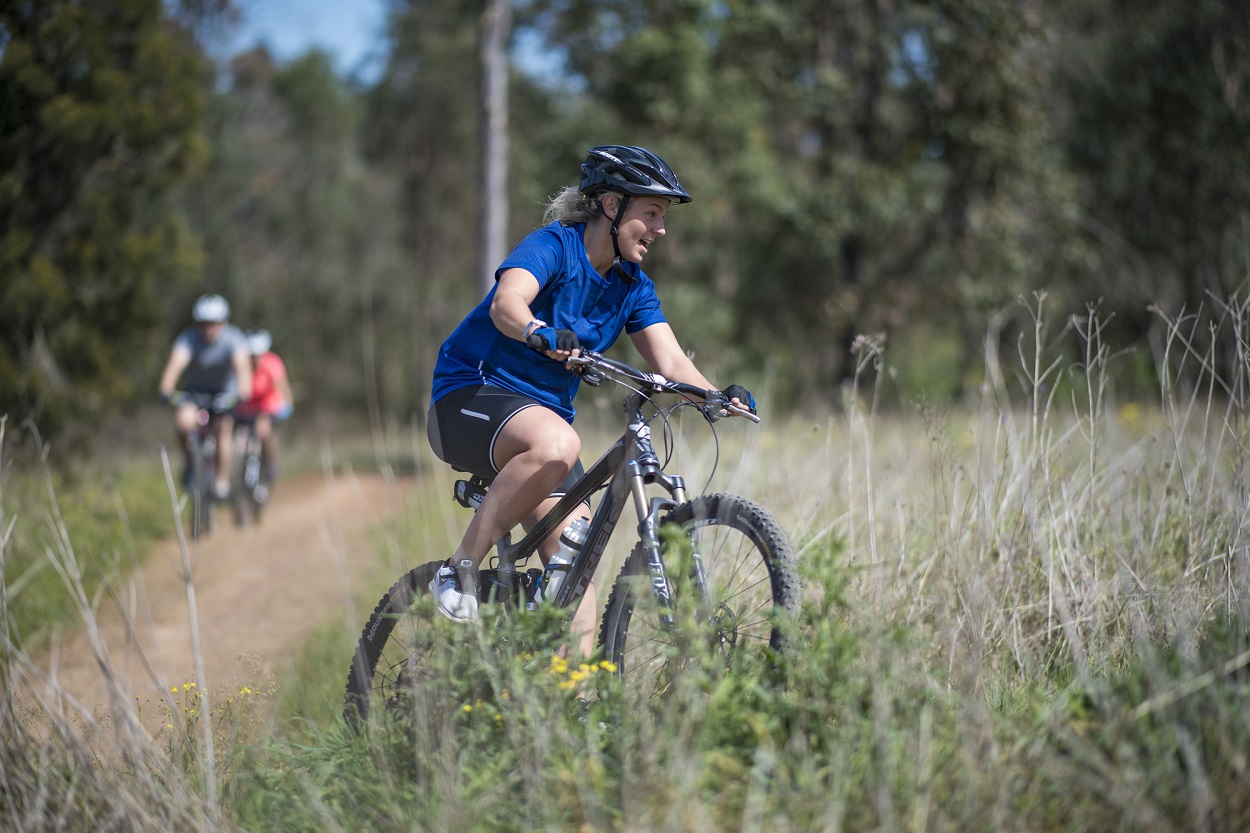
<point>1017,617</point>
<point>108,518</point>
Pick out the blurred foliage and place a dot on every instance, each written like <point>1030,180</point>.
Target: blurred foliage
<point>1159,140</point>
<point>98,519</point>
<point>857,168</point>
<point>102,104</point>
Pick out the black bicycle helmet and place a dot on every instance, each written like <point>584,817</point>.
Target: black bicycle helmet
<point>629,170</point>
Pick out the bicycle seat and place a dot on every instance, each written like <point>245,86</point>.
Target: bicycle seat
<point>470,493</point>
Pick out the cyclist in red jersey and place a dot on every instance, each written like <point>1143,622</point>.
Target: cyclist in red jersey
<point>271,398</point>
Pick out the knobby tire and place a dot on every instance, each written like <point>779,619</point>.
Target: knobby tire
<point>384,659</point>
<point>247,506</point>
<point>740,622</point>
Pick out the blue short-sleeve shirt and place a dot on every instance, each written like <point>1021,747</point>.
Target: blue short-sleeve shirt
<point>572,296</point>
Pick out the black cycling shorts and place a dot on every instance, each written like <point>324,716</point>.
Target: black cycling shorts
<point>463,425</point>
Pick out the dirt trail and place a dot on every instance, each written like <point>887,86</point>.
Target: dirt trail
<point>259,591</point>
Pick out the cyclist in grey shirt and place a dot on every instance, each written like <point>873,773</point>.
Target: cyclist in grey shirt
<point>211,364</point>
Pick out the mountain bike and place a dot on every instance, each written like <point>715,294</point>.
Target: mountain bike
<point>251,484</point>
<point>724,563</point>
<point>200,476</point>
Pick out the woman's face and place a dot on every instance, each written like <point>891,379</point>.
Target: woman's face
<point>642,226</point>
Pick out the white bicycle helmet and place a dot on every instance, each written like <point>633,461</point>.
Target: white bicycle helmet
<point>258,342</point>
<point>211,309</point>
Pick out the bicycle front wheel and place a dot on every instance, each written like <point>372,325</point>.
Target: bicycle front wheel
<point>249,488</point>
<point>734,616</point>
<point>202,499</point>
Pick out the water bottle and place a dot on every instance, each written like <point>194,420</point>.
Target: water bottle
<point>571,540</point>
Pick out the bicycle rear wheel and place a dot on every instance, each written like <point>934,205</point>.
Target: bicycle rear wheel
<point>738,619</point>
<point>393,646</point>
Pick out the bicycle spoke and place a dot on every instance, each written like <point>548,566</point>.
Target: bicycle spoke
<point>746,561</point>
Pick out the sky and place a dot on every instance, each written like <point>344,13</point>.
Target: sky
<point>349,30</point>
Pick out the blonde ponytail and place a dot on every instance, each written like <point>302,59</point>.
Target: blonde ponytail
<point>571,207</point>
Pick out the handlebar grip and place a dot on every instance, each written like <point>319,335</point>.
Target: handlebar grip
<point>742,412</point>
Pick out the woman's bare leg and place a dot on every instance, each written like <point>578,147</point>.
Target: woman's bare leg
<point>585,618</point>
<point>534,451</point>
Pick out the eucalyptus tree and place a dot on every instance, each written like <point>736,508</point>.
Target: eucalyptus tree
<point>857,166</point>
<point>1159,131</point>
<point>422,126</point>
<point>290,220</point>
<point>101,105</point>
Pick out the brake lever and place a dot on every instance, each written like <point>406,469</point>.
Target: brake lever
<point>581,365</point>
<point>718,407</point>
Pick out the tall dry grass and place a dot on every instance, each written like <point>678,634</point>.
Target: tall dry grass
<point>1022,613</point>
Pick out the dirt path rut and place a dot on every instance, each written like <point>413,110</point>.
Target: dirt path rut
<point>259,592</point>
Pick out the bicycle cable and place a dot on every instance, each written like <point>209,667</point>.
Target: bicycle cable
<point>669,442</point>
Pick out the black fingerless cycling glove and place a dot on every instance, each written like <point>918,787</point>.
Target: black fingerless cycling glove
<point>549,338</point>
<point>741,394</point>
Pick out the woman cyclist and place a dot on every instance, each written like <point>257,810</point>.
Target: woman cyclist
<point>502,396</point>
<point>271,398</point>
<point>210,360</point>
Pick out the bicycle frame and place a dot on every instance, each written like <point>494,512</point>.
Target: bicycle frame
<point>626,468</point>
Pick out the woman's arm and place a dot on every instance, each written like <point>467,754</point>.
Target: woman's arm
<point>243,372</point>
<point>179,358</point>
<point>283,384</point>
<point>510,310</point>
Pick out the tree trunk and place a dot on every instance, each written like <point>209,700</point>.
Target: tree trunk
<point>496,24</point>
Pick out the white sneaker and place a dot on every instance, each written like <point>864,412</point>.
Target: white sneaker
<point>455,589</point>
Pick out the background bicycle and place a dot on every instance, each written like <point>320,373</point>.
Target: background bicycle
<point>201,473</point>
<point>250,485</point>
<point>711,579</point>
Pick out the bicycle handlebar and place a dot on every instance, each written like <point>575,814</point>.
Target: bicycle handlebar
<point>596,363</point>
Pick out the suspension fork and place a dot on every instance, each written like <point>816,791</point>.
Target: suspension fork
<point>641,471</point>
